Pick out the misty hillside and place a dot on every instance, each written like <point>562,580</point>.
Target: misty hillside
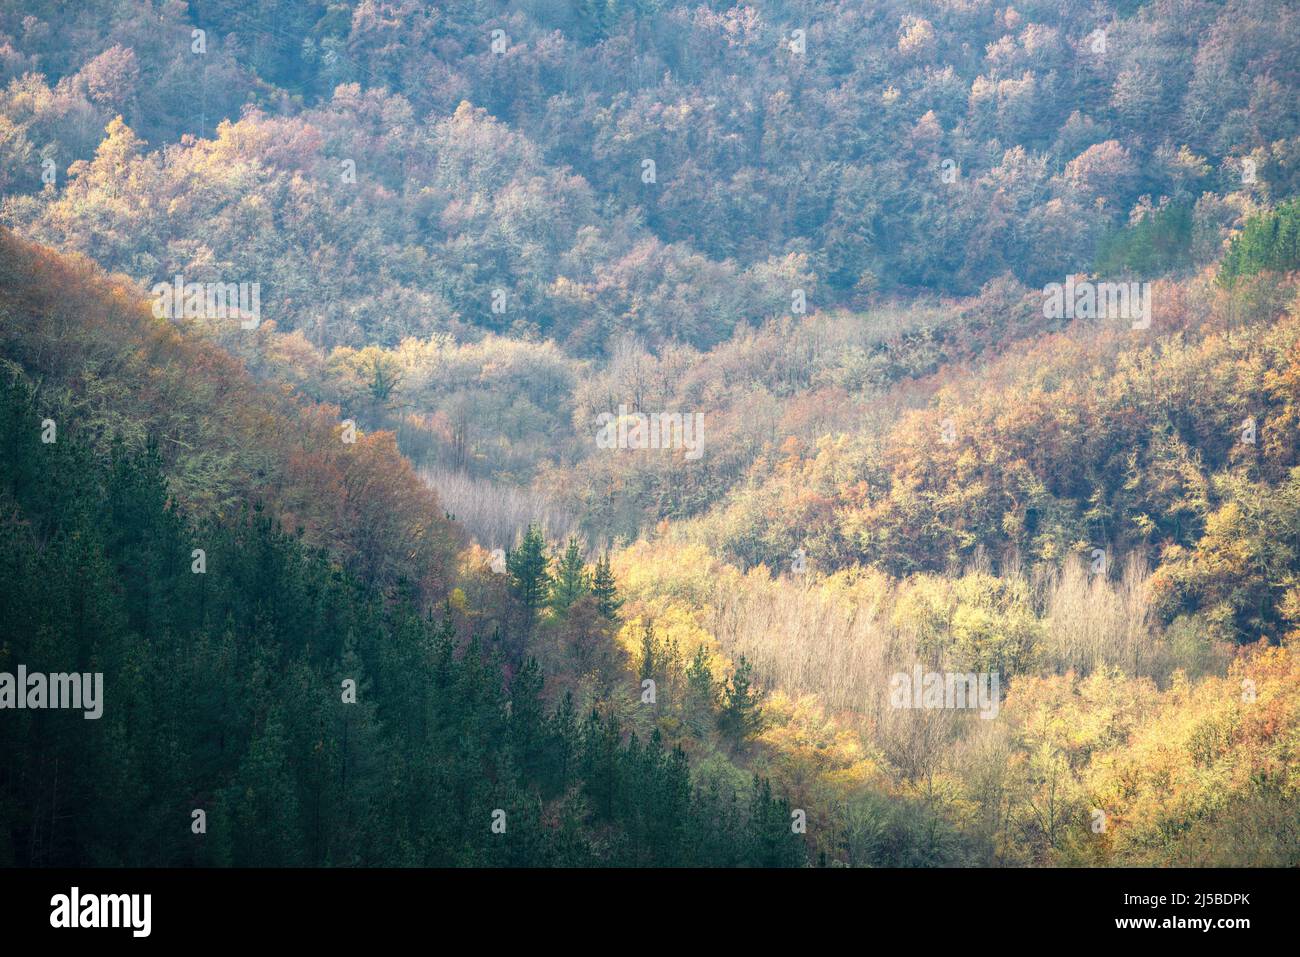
<point>608,416</point>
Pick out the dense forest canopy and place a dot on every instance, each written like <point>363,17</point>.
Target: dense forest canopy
<point>674,171</point>
<point>471,250</point>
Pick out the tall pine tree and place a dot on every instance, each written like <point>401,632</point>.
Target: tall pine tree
<point>572,580</point>
<point>605,590</point>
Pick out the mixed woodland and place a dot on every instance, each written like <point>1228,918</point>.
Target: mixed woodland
<point>477,227</point>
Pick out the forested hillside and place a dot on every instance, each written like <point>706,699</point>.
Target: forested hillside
<point>967,333</point>
<point>383,168</point>
<point>229,634</point>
